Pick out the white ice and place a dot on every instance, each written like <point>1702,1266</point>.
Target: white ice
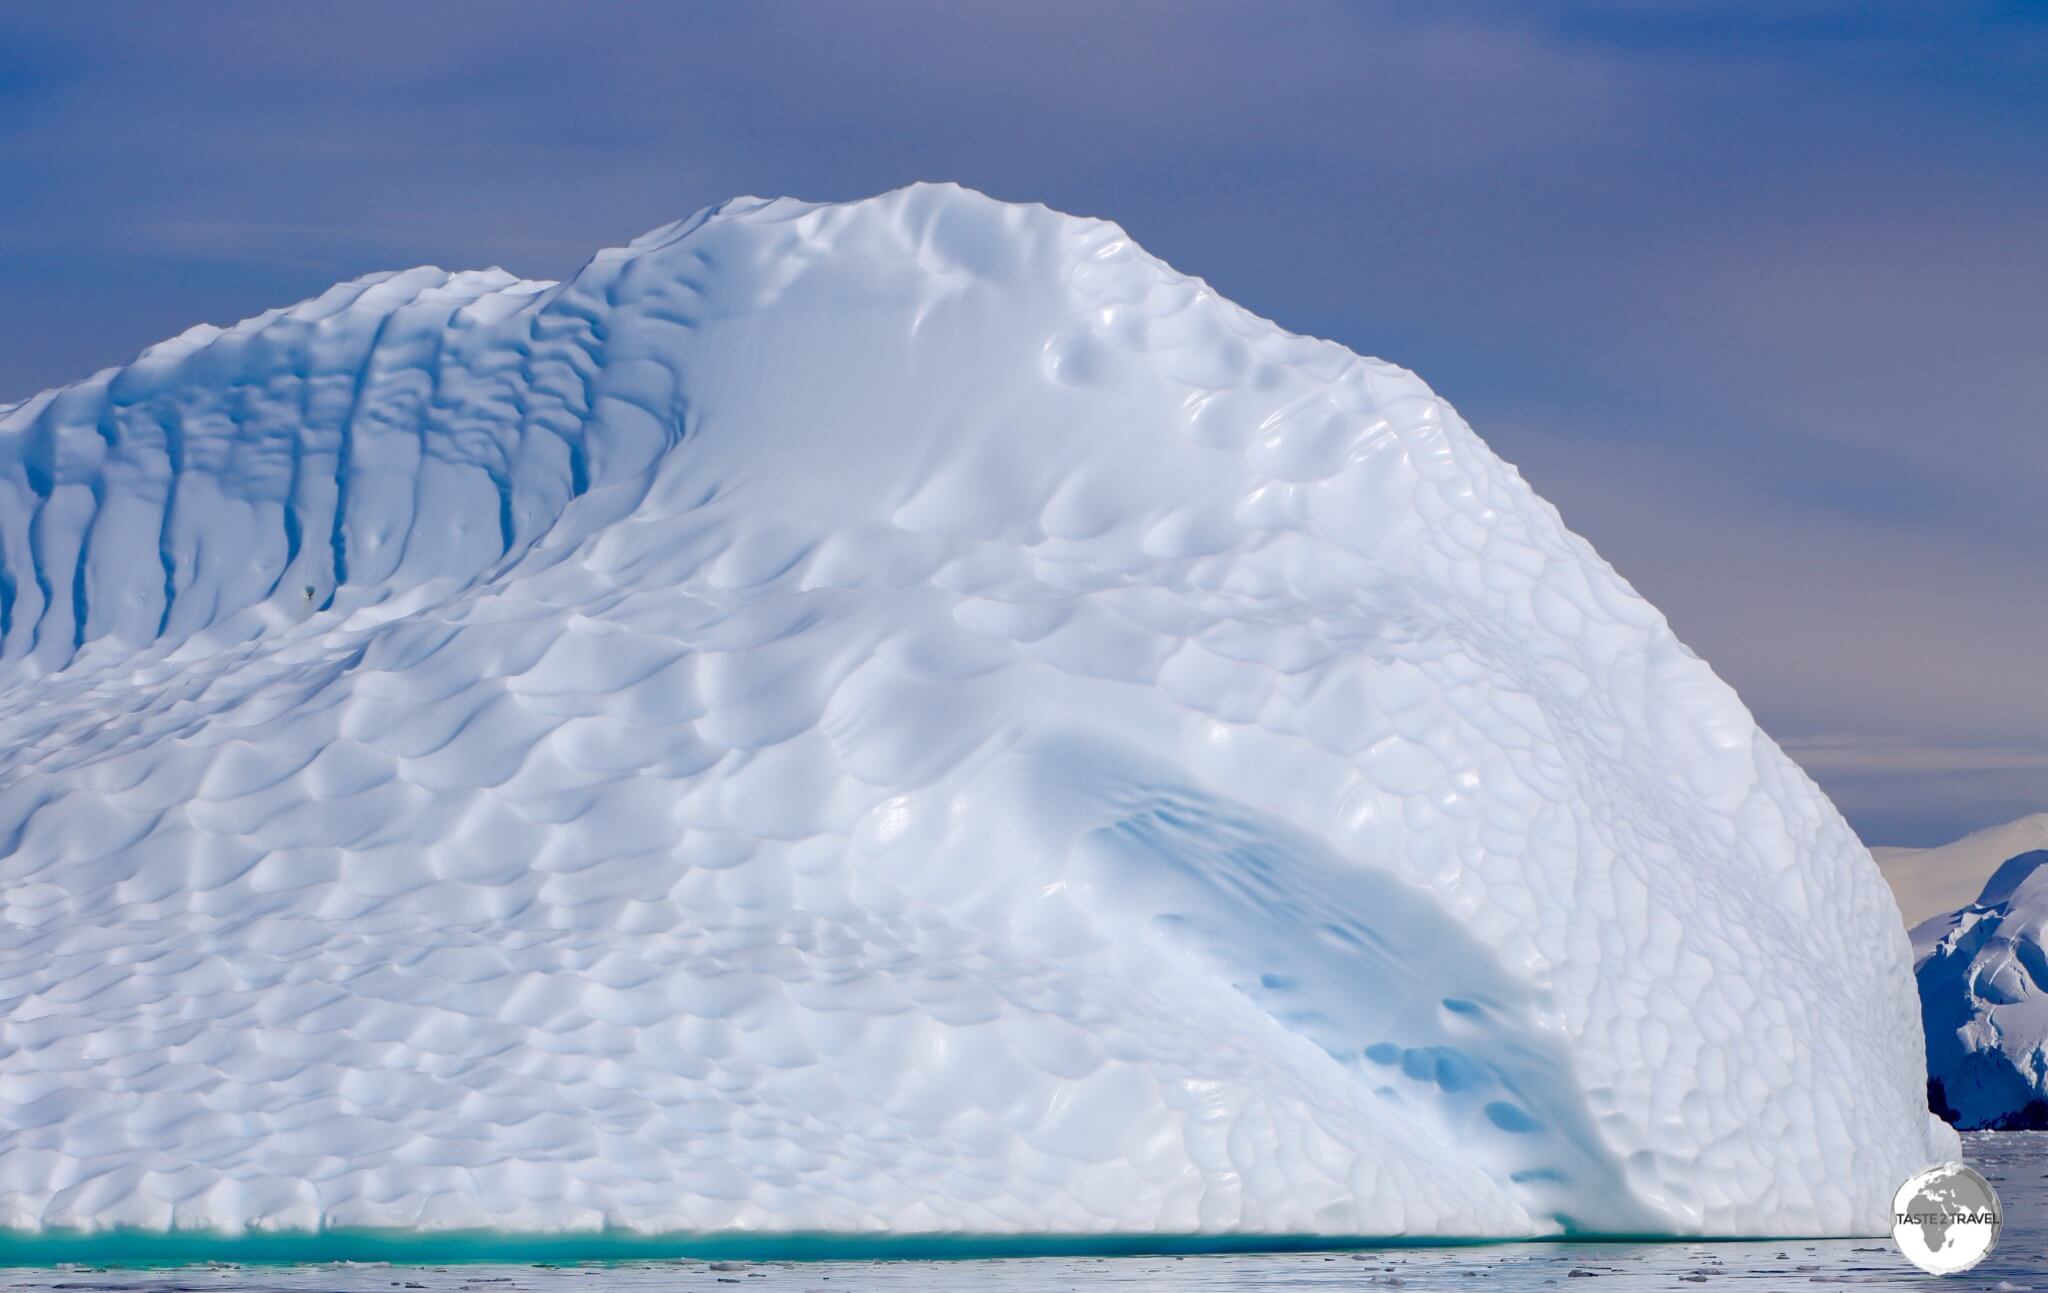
<point>1983,974</point>
<point>903,715</point>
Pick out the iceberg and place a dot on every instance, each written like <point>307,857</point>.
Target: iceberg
<point>900,717</point>
<point>1983,976</point>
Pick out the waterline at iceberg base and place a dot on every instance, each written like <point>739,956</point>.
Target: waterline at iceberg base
<point>420,1248</point>
<point>908,717</point>
<point>129,1260</point>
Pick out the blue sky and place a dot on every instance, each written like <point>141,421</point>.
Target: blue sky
<point>1756,293</point>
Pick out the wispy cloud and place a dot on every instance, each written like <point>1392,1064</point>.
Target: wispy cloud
<point>1849,755</point>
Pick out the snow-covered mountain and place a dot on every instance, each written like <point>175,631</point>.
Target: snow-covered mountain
<point>1983,975</point>
<point>908,715</point>
<point>1936,881</point>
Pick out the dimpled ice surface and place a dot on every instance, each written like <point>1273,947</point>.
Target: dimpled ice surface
<point>908,715</point>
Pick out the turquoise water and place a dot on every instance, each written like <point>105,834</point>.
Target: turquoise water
<point>466,1248</point>
<point>2015,1162</point>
